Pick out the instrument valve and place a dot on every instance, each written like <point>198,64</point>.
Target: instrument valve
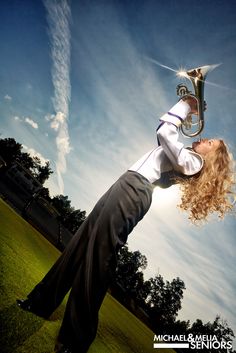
<point>182,90</point>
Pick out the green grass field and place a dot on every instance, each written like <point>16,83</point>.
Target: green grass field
<point>25,257</point>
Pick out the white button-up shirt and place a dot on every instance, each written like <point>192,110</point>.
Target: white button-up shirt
<point>170,156</point>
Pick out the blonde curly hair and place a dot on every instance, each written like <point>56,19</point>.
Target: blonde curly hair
<point>209,191</point>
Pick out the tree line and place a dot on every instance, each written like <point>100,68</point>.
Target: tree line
<point>160,300</point>
<point>12,151</point>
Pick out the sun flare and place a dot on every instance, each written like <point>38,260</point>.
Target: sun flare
<point>182,73</point>
<point>166,197</point>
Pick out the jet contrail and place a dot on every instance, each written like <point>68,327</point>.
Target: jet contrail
<point>161,65</point>
<point>59,17</point>
<point>218,86</point>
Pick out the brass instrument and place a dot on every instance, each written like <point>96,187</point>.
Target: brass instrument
<point>193,126</point>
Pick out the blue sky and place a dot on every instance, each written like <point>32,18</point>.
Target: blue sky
<point>78,88</point>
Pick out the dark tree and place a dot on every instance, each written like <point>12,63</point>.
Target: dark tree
<point>63,206</point>
<point>74,220</point>
<point>218,328</point>
<point>129,263</point>
<point>70,218</point>
<point>10,150</point>
<point>27,162</point>
<point>130,277</point>
<point>34,165</point>
<point>45,194</point>
<point>217,331</point>
<point>179,327</point>
<point>164,301</point>
<point>43,172</point>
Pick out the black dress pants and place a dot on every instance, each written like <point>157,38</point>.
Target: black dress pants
<point>89,261</point>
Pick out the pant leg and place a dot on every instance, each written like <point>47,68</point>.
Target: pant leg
<point>89,260</point>
<point>50,291</point>
<point>122,208</point>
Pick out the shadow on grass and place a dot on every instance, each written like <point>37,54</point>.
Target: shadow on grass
<point>17,326</point>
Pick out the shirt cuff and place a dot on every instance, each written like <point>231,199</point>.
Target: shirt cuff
<point>177,113</point>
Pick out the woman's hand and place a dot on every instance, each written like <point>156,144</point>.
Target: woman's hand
<point>193,103</point>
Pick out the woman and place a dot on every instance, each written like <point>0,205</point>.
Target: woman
<point>88,263</point>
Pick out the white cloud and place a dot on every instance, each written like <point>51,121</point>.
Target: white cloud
<point>63,148</point>
<point>31,123</point>
<point>7,97</point>
<point>57,121</point>
<point>17,118</point>
<point>27,120</point>
<point>59,26</point>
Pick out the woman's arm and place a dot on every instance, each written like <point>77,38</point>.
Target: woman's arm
<point>183,160</point>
